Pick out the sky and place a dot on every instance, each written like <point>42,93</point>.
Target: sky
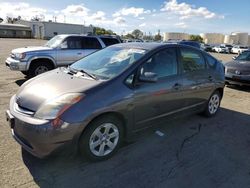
<point>189,16</point>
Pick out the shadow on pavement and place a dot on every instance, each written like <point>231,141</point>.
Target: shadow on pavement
<point>21,81</point>
<point>193,152</point>
<point>240,88</point>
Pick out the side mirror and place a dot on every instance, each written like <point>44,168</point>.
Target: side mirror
<point>234,57</point>
<point>148,77</point>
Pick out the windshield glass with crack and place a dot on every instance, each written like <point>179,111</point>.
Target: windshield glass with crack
<point>109,62</point>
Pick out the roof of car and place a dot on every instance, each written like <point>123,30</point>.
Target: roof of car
<point>86,35</point>
<point>149,45</point>
<point>143,45</point>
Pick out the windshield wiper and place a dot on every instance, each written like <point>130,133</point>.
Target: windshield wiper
<point>89,74</point>
<point>74,71</point>
<point>71,70</point>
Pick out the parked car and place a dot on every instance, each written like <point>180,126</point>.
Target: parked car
<point>220,49</point>
<point>62,50</point>
<point>239,49</point>
<point>238,70</point>
<point>207,47</point>
<point>228,47</point>
<point>108,96</point>
<point>191,43</point>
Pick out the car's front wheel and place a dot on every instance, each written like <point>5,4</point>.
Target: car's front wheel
<point>213,104</point>
<point>39,67</point>
<point>101,139</point>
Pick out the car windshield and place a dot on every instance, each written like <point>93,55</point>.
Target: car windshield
<point>243,47</point>
<point>245,56</point>
<point>109,62</point>
<point>55,41</point>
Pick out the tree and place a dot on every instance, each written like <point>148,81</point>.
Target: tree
<point>102,31</point>
<point>157,37</point>
<point>12,19</point>
<point>129,36</point>
<point>197,38</point>
<point>39,18</point>
<point>137,33</point>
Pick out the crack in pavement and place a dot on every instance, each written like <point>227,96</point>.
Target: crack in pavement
<point>185,140</point>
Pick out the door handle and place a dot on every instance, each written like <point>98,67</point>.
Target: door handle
<point>79,53</point>
<point>177,86</point>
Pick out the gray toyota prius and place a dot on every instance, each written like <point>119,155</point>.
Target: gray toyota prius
<point>108,96</point>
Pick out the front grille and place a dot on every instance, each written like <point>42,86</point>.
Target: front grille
<point>229,70</point>
<point>241,71</point>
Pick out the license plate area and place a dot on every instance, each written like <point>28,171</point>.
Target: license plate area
<point>10,119</point>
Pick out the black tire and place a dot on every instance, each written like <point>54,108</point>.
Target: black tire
<point>213,104</point>
<point>88,135</point>
<point>35,66</point>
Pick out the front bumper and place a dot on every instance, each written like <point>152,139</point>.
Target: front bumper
<point>39,137</point>
<point>17,65</point>
<point>238,79</point>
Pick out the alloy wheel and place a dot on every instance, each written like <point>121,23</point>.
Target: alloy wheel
<point>41,69</point>
<point>214,104</point>
<point>104,139</point>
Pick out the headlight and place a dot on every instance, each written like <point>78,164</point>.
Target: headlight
<point>54,108</point>
<point>20,55</point>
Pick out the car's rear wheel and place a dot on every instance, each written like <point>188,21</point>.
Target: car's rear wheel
<point>213,104</point>
<point>101,139</point>
<point>39,68</point>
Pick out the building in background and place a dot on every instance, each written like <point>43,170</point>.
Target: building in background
<point>175,36</point>
<point>14,31</point>
<point>47,30</point>
<point>231,39</point>
<point>242,38</point>
<point>212,38</point>
<point>239,38</point>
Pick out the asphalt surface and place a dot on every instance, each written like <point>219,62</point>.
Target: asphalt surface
<point>189,152</point>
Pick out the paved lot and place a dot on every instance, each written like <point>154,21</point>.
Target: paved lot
<point>194,151</point>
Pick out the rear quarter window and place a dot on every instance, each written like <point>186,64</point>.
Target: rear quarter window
<point>109,41</point>
<point>90,43</point>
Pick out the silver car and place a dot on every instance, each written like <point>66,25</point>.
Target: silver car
<point>62,50</point>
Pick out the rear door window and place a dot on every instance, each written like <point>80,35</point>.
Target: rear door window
<point>73,43</point>
<point>163,63</point>
<point>90,43</point>
<point>191,60</point>
<point>109,41</point>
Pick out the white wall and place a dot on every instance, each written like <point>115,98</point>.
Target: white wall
<point>46,30</point>
<point>175,36</point>
<point>212,38</point>
<point>243,38</point>
<point>34,27</point>
<point>60,28</point>
<point>231,39</point>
